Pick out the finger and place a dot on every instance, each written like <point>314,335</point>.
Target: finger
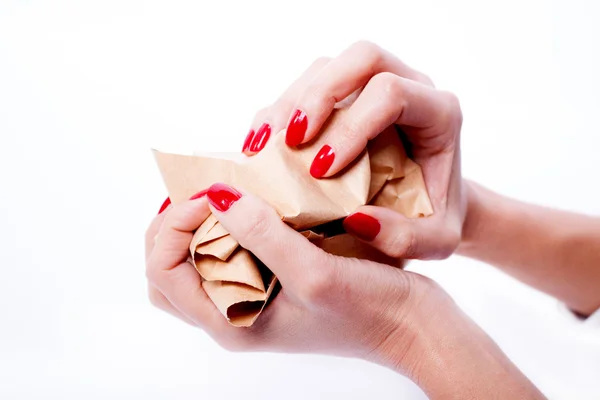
<point>341,77</point>
<point>387,99</point>
<point>400,237</point>
<point>182,287</point>
<point>258,228</point>
<point>273,119</point>
<point>152,231</point>
<point>161,302</point>
<point>176,279</point>
<point>250,146</point>
<point>166,204</point>
<point>172,240</point>
<point>155,225</point>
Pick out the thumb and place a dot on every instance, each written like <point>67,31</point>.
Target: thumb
<point>400,237</point>
<point>258,228</point>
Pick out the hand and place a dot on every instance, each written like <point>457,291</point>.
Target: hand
<point>381,91</point>
<point>328,304</point>
<point>323,298</point>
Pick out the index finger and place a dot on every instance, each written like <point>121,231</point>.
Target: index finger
<point>176,231</point>
<point>168,271</point>
<point>342,76</point>
<point>151,233</point>
<point>427,116</point>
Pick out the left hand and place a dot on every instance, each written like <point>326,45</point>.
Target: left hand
<point>380,91</point>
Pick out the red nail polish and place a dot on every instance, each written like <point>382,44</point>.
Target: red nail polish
<point>222,196</point>
<point>296,129</point>
<point>362,226</point>
<point>199,194</point>
<point>260,138</point>
<point>322,162</point>
<point>248,140</point>
<point>164,206</point>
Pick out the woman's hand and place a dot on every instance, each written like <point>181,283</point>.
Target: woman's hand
<point>380,91</point>
<point>328,304</point>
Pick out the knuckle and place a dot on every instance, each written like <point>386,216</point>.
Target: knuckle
<point>157,277</point>
<point>234,343</point>
<point>150,233</point>
<point>316,287</point>
<point>448,244</point>
<point>171,221</point>
<point>402,245</point>
<point>425,79</point>
<point>233,346</point>
<point>369,52</point>
<point>155,297</point>
<point>390,85</point>
<point>320,62</point>
<point>350,130</point>
<point>452,113</point>
<point>257,226</point>
<point>317,95</point>
<point>151,273</point>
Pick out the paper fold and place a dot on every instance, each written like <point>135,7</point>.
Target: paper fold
<point>236,281</point>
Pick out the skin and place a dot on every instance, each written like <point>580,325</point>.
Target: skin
<point>343,306</point>
<point>557,252</point>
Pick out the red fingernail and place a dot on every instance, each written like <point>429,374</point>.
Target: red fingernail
<point>260,138</point>
<point>248,140</point>
<point>199,194</point>
<point>322,162</point>
<point>296,128</point>
<point>222,196</point>
<point>165,204</point>
<point>362,226</point>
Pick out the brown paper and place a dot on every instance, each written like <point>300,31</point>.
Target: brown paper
<point>236,281</point>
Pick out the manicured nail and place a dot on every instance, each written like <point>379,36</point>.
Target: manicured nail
<point>296,129</point>
<point>248,140</point>
<point>362,226</point>
<point>164,206</point>
<point>261,138</point>
<point>322,162</point>
<point>199,194</point>
<point>222,196</point>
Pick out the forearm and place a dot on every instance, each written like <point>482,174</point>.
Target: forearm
<point>554,251</point>
<point>450,357</point>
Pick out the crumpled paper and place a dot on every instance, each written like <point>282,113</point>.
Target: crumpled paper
<point>236,281</point>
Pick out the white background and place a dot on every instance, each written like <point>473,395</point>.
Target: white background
<point>86,88</point>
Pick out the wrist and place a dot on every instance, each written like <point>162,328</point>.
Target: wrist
<point>475,216</point>
<point>413,327</point>
<point>447,355</point>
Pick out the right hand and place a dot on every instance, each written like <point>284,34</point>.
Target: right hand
<point>380,90</point>
<point>328,304</point>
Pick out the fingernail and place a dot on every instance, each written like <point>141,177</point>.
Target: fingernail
<point>260,139</point>
<point>362,226</point>
<point>222,196</point>
<point>247,141</point>
<point>322,162</point>
<point>296,128</point>
<point>164,206</point>
<point>199,194</point>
